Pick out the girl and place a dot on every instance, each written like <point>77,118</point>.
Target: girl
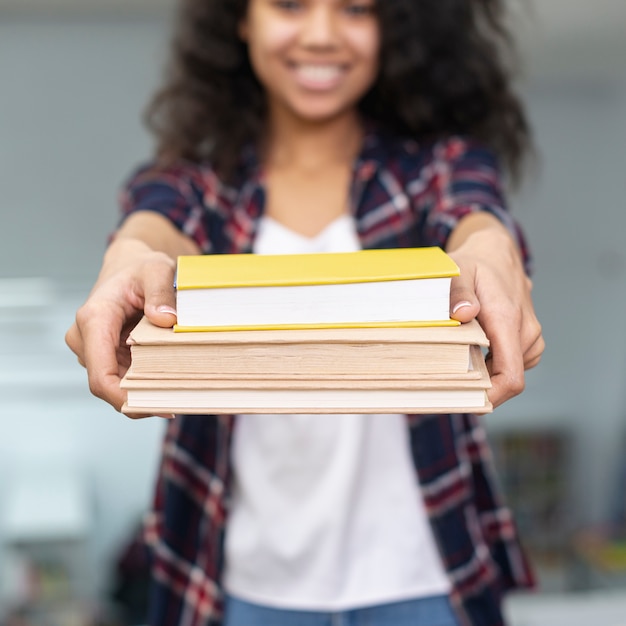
<point>314,126</point>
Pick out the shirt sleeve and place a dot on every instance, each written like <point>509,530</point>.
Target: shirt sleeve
<point>177,192</point>
<point>465,178</point>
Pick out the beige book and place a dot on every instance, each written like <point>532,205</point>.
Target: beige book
<point>323,353</point>
<point>216,396</point>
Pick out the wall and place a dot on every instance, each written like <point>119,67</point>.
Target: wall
<point>70,100</point>
<point>72,93</point>
<point>574,215</point>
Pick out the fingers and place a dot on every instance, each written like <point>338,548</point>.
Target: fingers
<point>74,343</point>
<point>98,336</point>
<point>100,340</point>
<point>159,295</point>
<point>507,378</point>
<point>516,345</point>
<point>532,363</point>
<point>464,305</point>
<point>506,362</point>
<point>536,346</point>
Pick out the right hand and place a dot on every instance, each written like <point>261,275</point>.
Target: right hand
<point>494,288</point>
<point>134,280</point>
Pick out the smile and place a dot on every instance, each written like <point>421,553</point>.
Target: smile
<point>313,76</point>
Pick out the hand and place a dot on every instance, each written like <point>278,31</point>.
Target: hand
<point>134,280</point>
<point>494,288</point>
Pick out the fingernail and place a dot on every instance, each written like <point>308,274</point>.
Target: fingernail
<point>461,305</point>
<point>166,309</point>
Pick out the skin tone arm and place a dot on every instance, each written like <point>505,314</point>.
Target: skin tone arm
<point>138,270</point>
<point>136,277</point>
<point>494,288</point>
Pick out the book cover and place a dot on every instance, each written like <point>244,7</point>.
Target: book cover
<point>250,270</point>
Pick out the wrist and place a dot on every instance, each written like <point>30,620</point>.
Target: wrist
<point>475,226</point>
<point>122,250</point>
<point>489,246</point>
<point>126,252</point>
<point>123,245</point>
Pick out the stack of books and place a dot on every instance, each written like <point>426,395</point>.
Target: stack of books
<point>355,332</point>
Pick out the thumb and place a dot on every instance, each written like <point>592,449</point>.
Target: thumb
<point>464,305</point>
<point>160,304</point>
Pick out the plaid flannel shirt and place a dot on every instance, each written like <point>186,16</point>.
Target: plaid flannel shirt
<point>403,194</point>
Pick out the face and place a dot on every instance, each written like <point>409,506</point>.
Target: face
<point>315,58</point>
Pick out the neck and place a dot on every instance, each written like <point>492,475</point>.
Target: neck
<point>310,145</point>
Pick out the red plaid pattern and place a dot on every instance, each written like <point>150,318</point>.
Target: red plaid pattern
<point>403,194</point>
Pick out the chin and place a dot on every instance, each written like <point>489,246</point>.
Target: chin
<point>320,114</point>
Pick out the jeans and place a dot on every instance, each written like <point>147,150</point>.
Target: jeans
<point>430,611</point>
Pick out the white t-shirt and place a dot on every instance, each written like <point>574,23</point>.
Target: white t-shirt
<point>327,512</point>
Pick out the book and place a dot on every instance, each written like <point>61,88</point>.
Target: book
<point>367,288</point>
<point>323,353</point>
<point>351,370</point>
<point>216,396</point>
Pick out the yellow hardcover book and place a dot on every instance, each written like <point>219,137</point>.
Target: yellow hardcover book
<point>397,287</point>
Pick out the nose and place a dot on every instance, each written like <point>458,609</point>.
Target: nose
<point>320,27</point>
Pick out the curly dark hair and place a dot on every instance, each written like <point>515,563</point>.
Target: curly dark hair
<point>446,68</point>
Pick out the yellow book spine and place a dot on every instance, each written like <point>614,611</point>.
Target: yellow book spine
<point>408,324</point>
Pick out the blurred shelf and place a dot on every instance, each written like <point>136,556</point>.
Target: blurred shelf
<point>533,467</point>
<point>45,531</point>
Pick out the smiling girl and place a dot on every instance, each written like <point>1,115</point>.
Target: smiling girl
<point>316,126</point>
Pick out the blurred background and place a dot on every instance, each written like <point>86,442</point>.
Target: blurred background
<point>75,477</point>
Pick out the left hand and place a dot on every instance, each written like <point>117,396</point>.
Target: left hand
<point>494,288</point>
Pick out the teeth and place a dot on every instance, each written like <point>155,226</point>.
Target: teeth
<point>319,72</point>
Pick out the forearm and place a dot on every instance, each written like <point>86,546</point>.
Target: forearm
<point>142,233</point>
<point>156,233</point>
<point>480,223</point>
